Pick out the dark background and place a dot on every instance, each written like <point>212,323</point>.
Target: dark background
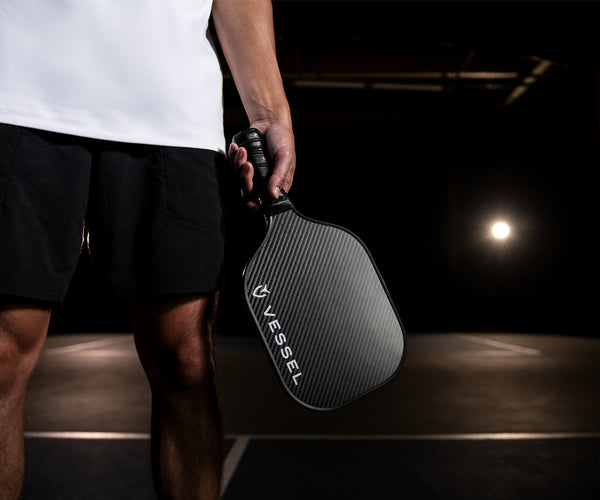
<point>417,124</point>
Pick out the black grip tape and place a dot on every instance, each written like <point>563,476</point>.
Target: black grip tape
<point>253,142</point>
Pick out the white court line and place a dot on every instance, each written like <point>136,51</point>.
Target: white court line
<point>242,440</point>
<point>498,344</point>
<point>86,435</point>
<point>92,344</point>
<point>233,459</point>
<point>482,436</point>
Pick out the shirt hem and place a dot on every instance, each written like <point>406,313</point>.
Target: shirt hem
<point>204,138</point>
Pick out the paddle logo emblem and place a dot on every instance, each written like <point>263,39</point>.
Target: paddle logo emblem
<point>260,292</point>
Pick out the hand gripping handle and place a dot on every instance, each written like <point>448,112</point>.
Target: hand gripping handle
<point>254,143</point>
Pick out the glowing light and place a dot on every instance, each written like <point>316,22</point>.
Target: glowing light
<point>500,230</point>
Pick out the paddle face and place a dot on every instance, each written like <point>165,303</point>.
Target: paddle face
<point>323,312</point>
<point>320,305</point>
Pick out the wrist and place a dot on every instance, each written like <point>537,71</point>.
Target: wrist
<point>265,115</point>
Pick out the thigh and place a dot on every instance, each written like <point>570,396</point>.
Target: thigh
<point>175,321</point>
<point>44,179</point>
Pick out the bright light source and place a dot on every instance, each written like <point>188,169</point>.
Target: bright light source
<point>500,230</point>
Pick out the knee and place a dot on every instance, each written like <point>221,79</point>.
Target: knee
<point>22,335</point>
<point>10,357</point>
<point>174,343</point>
<point>190,366</point>
<point>184,362</point>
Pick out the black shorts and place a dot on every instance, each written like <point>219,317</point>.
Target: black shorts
<point>154,215</point>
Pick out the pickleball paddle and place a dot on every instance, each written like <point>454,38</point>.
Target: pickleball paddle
<point>322,309</point>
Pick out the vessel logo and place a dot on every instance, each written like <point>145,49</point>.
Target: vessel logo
<point>260,292</point>
<point>285,351</point>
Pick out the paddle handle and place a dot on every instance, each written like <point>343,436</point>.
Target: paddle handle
<point>254,143</point>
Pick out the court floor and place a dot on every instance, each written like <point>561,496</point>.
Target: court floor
<point>469,416</point>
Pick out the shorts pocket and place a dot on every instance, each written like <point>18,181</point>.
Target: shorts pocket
<point>193,187</point>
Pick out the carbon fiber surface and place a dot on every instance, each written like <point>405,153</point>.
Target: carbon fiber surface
<point>323,312</point>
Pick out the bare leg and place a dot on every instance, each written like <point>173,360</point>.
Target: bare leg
<point>22,334</point>
<point>173,339</point>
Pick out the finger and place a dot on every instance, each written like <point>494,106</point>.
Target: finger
<point>289,179</point>
<point>241,157</point>
<point>246,176</point>
<point>233,148</point>
<point>283,174</point>
<point>231,154</point>
<point>274,185</point>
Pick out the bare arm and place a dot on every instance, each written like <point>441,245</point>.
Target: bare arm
<point>246,34</point>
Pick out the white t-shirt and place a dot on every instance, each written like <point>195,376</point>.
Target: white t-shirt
<point>139,71</point>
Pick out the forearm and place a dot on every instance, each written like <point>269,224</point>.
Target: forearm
<point>246,35</point>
